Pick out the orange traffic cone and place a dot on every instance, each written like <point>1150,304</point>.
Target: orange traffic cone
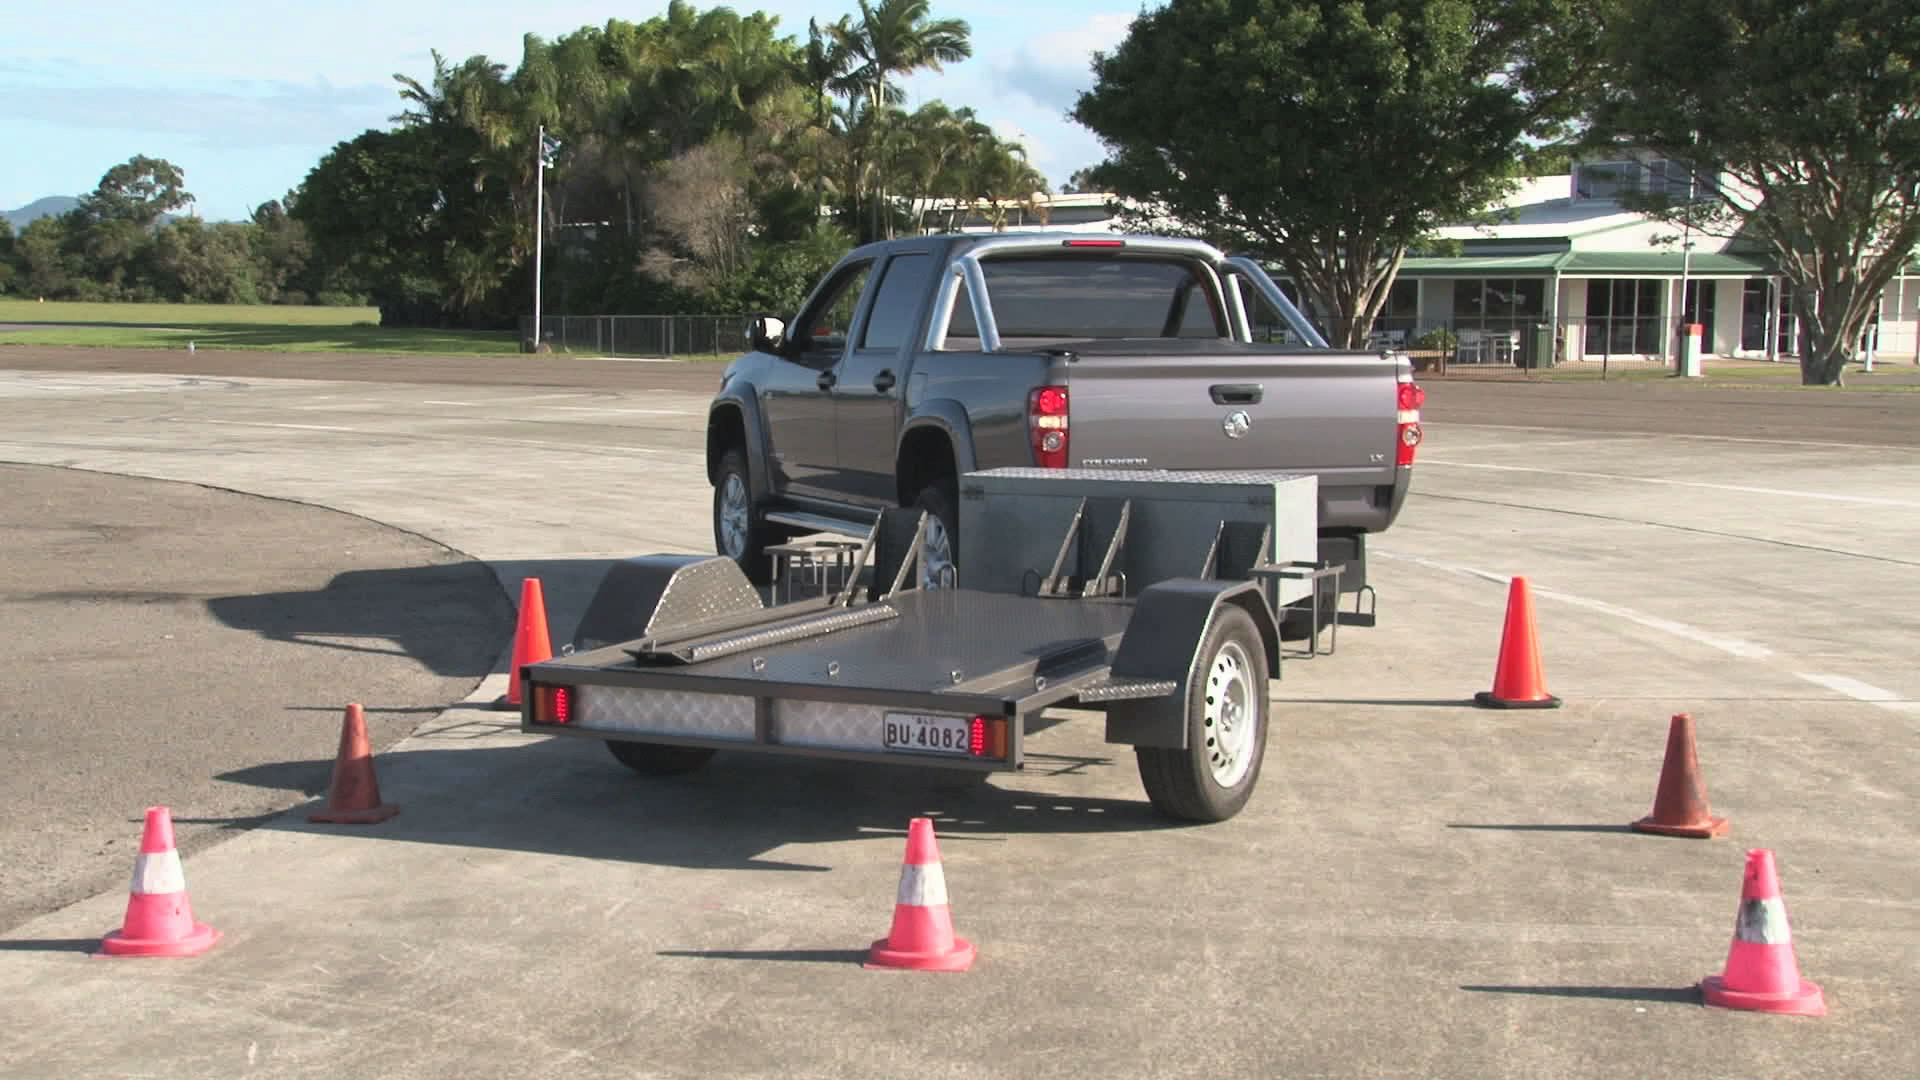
<point>1762,974</point>
<point>353,798</point>
<point>922,937</point>
<point>530,642</point>
<point>1518,682</point>
<point>1680,803</point>
<point>159,919</point>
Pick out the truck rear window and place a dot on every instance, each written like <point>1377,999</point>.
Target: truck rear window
<point>1094,297</point>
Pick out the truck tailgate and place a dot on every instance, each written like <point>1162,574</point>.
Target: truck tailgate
<point>1235,407</point>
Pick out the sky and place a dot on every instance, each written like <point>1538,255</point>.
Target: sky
<point>245,98</point>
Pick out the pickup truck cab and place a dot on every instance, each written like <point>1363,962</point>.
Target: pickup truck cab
<point>916,361</point>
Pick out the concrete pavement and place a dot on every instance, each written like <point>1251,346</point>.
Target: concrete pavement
<point>1419,887</point>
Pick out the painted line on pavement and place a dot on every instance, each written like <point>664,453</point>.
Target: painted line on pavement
<point>1731,645</point>
<point>1682,435</point>
<point>1841,684</point>
<point>1860,500</point>
<point>1867,692</point>
<point>630,412</point>
<point>265,424</point>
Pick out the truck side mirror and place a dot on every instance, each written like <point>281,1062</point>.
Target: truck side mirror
<point>767,334</point>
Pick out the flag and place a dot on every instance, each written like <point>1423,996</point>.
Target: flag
<point>549,146</point>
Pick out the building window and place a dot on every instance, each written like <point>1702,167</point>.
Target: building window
<point>1605,179</point>
<point>1623,317</point>
<point>1660,176</point>
<point>1754,297</point>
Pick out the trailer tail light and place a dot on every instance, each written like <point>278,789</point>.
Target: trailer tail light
<point>987,737</point>
<point>552,705</point>
<point>1047,426</point>
<point>1407,434</point>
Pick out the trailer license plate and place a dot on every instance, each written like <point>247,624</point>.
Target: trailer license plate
<point>926,734</point>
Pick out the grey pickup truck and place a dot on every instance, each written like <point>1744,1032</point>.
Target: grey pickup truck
<point>919,360</point>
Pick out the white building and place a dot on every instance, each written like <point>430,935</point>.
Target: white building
<point>1567,268</point>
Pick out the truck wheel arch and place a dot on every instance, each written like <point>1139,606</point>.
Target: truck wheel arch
<point>937,438</point>
<point>734,420</point>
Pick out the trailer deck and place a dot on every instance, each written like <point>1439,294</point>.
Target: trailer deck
<point>678,656</point>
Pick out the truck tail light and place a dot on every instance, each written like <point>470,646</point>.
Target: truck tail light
<point>1407,434</point>
<point>987,737</point>
<point>1047,426</point>
<point>552,705</point>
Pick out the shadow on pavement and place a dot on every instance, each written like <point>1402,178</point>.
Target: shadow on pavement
<point>79,945</point>
<point>453,618</point>
<point>803,956</point>
<point>1545,828</point>
<point>569,797</point>
<point>1681,995</point>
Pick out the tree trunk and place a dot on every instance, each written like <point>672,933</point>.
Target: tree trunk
<point>1826,343</point>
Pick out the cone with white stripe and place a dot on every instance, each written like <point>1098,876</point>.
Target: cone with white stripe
<point>922,938</point>
<point>159,919</point>
<point>1762,974</point>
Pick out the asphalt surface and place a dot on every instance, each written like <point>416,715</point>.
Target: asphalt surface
<point>1419,888</point>
<point>164,637</point>
<point>1463,396</point>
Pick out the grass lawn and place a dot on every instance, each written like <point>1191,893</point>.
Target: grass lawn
<point>234,326</point>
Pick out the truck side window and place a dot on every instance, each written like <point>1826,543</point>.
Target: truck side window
<point>898,302</point>
<point>824,327</point>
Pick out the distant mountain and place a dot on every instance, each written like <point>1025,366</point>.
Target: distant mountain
<point>51,206</point>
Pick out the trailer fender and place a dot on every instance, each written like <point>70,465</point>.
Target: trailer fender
<point>646,594</point>
<point>1162,643</point>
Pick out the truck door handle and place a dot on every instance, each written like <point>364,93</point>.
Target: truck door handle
<point>1237,393</point>
<point>883,382</point>
<point>826,380</point>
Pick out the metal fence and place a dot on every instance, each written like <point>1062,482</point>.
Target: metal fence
<point>640,335</point>
<point>1522,342</point>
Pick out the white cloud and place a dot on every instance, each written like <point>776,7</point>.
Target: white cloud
<point>1053,69</point>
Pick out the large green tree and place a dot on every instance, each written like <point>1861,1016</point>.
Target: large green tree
<point>1330,136</point>
<point>1802,120</point>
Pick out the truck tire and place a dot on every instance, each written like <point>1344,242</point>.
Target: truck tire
<point>658,759</point>
<point>738,532</point>
<point>1226,709</point>
<point>943,532</point>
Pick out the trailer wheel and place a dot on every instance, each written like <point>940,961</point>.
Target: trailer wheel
<point>1226,706</point>
<point>738,532</point>
<point>659,759</point>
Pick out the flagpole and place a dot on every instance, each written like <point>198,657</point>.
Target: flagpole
<point>539,222</point>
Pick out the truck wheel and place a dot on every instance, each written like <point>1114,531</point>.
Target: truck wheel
<point>659,759</point>
<point>738,532</point>
<point>1226,728</point>
<point>943,533</point>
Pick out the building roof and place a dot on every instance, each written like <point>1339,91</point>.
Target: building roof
<point>1590,264</point>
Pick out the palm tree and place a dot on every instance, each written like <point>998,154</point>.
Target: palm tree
<point>896,37</point>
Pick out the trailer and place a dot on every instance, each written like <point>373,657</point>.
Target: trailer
<point>1147,596</point>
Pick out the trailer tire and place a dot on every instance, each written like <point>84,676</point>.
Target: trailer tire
<point>658,759</point>
<point>1226,711</point>
<point>738,532</point>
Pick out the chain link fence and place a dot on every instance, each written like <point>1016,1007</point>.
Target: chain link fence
<point>640,335</point>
